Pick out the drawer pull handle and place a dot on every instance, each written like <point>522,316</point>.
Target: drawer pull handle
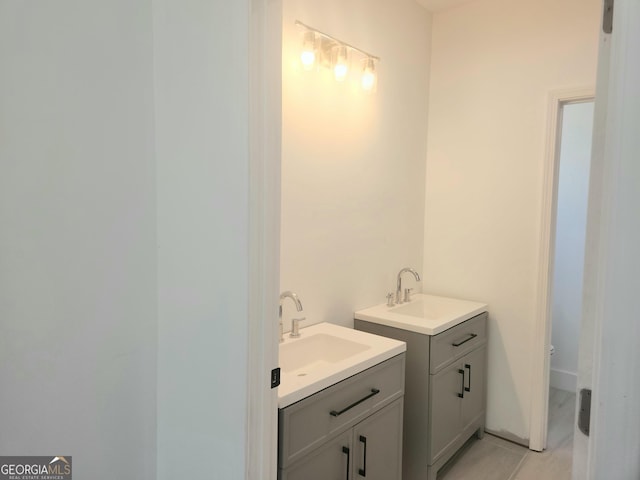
<point>468,389</point>
<point>374,391</point>
<point>461,393</point>
<point>470,337</point>
<point>347,452</point>
<point>363,471</point>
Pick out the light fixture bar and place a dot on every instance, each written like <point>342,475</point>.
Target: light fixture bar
<point>338,41</point>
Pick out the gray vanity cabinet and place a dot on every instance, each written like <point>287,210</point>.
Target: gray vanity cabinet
<point>351,430</point>
<point>473,403</point>
<point>457,401</point>
<point>378,445</point>
<point>372,449</point>
<point>331,461</point>
<point>444,409</point>
<point>445,393</point>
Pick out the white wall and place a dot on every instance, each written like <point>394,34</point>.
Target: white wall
<point>94,229</point>
<point>202,118</point>
<point>352,163</point>
<point>571,224</point>
<point>493,64</point>
<point>78,235</point>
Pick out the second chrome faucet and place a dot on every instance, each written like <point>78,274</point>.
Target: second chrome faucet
<point>407,294</point>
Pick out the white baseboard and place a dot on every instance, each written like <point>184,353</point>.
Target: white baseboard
<point>563,380</point>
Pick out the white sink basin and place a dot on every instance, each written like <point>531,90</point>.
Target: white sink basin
<point>434,307</point>
<point>317,351</point>
<point>325,354</point>
<point>428,314</point>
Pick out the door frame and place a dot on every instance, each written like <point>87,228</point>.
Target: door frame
<point>541,362</point>
<point>613,233</point>
<point>264,143</point>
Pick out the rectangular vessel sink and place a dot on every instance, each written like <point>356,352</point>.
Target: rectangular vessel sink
<point>427,314</point>
<point>326,354</point>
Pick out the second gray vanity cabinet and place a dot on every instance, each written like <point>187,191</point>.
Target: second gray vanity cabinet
<point>444,402</point>
<point>457,402</point>
<point>457,341</point>
<point>474,402</point>
<point>443,410</point>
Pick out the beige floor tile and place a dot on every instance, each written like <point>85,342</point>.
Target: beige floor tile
<point>562,410</point>
<point>493,458</point>
<point>483,459</point>
<point>505,443</point>
<point>540,466</point>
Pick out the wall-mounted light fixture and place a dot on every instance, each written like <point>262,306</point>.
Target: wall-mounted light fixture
<point>322,50</point>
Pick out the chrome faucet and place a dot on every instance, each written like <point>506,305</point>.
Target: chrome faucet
<point>399,286</point>
<point>297,303</point>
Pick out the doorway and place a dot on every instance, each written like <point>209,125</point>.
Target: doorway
<point>563,227</point>
<point>570,232</point>
<point>574,156</point>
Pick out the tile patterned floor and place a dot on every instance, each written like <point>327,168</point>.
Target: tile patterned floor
<point>493,458</point>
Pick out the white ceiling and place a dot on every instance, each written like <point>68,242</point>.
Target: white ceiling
<point>440,5</point>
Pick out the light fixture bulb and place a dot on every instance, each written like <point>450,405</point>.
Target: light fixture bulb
<point>341,63</point>
<point>308,54</point>
<point>369,75</point>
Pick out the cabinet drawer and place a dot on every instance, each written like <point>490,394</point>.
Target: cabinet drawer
<point>307,424</point>
<point>457,341</point>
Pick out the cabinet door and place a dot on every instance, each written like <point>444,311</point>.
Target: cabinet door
<point>377,445</point>
<point>445,408</point>
<point>474,395</point>
<point>331,461</point>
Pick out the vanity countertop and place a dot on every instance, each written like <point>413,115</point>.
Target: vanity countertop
<point>426,314</point>
<point>326,354</point>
